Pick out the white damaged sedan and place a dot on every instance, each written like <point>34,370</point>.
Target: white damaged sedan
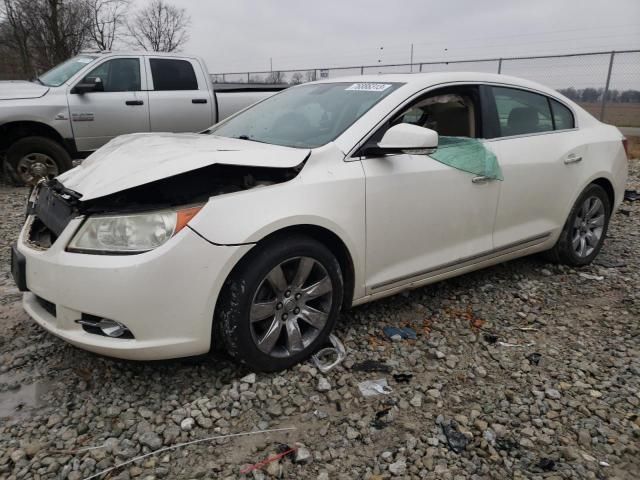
<point>253,235</point>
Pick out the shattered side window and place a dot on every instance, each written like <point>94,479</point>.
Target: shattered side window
<point>469,155</point>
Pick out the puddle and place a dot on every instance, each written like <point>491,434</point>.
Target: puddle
<point>16,403</point>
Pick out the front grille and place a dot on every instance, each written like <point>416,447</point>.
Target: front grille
<point>49,307</point>
<point>52,214</point>
<point>53,210</point>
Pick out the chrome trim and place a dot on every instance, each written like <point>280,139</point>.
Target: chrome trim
<point>467,261</point>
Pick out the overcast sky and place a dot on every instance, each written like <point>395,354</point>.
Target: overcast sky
<point>241,35</point>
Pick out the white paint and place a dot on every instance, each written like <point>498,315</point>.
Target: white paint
<point>398,216</point>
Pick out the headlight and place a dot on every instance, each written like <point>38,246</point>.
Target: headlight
<point>135,233</point>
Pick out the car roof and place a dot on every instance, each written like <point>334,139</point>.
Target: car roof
<point>418,81</point>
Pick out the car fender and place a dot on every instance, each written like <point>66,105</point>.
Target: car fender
<point>327,193</point>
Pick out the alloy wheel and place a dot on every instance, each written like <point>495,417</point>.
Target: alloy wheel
<point>291,307</point>
<point>588,227</point>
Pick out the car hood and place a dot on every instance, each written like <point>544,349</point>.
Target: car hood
<point>137,159</point>
<point>19,89</point>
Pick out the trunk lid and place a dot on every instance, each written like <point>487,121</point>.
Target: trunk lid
<point>137,159</point>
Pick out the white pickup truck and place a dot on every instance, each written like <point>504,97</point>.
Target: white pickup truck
<point>81,104</point>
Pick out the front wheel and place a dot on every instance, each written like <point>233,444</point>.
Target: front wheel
<point>585,230</point>
<point>279,306</point>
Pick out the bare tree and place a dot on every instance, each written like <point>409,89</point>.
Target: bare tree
<point>107,17</point>
<point>160,27</point>
<point>16,35</point>
<point>58,29</point>
<point>296,78</point>
<point>275,77</point>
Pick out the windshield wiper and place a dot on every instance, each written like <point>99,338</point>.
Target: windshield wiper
<point>37,79</point>
<point>247,137</point>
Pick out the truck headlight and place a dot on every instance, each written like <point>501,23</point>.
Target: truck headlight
<point>134,233</point>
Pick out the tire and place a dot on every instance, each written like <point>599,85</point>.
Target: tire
<point>566,250</point>
<point>266,345</point>
<point>32,158</point>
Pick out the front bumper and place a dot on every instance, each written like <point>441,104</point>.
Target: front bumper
<point>166,297</point>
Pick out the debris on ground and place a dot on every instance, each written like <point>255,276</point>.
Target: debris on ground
<point>371,388</point>
<point>371,366</point>
<point>456,440</point>
<point>399,333</point>
<point>534,358</point>
<point>402,377</point>
<point>326,359</point>
<point>631,195</point>
<point>589,276</point>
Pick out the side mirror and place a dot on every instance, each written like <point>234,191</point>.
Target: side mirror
<point>95,86</point>
<point>406,138</point>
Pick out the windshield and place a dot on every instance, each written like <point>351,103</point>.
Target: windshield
<point>63,72</point>
<point>306,116</point>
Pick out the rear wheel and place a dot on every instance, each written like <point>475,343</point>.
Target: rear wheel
<point>280,305</point>
<point>33,158</point>
<point>586,228</point>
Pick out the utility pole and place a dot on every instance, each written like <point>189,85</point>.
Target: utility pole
<point>411,58</point>
<point>271,64</point>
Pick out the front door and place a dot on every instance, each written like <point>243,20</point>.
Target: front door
<point>118,106</point>
<point>424,216</point>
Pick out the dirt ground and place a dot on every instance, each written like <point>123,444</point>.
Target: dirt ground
<point>523,370</point>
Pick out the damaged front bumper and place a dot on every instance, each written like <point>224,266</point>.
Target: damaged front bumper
<point>165,297</point>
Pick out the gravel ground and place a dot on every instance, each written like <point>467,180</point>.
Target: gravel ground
<point>524,370</point>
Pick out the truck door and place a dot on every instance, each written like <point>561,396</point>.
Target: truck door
<point>117,105</point>
<point>179,99</point>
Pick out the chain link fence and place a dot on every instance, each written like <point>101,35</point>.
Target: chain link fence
<point>607,84</point>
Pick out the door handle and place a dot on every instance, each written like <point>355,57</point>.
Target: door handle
<point>481,179</point>
<point>199,100</point>
<point>572,158</point>
<point>134,102</point>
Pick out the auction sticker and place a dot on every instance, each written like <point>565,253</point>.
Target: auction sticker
<point>369,87</point>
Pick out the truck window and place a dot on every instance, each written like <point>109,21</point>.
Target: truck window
<point>173,74</point>
<point>117,75</point>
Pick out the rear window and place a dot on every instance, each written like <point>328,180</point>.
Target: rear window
<point>521,112</point>
<point>173,75</point>
<point>562,116</point>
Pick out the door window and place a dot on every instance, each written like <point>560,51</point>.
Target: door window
<point>521,112</point>
<point>455,114</point>
<point>117,75</point>
<point>449,114</point>
<point>173,75</point>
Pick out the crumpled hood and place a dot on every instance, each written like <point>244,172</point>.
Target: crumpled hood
<point>19,89</point>
<point>137,159</point>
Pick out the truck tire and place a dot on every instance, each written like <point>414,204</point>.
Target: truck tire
<point>32,158</point>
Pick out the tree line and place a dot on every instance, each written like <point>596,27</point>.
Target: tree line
<point>593,95</point>
<point>36,35</point>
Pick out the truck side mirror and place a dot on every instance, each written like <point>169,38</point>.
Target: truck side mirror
<point>86,87</point>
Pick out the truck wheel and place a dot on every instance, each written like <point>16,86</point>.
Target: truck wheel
<point>32,158</point>
<point>281,303</point>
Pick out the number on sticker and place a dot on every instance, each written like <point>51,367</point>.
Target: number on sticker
<point>369,87</point>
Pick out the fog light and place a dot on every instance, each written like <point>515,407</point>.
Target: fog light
<point>104,326</point>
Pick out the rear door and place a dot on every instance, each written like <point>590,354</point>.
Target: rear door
<point>179,96</point>
<point>120,106</point>
<point>540,153</point>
